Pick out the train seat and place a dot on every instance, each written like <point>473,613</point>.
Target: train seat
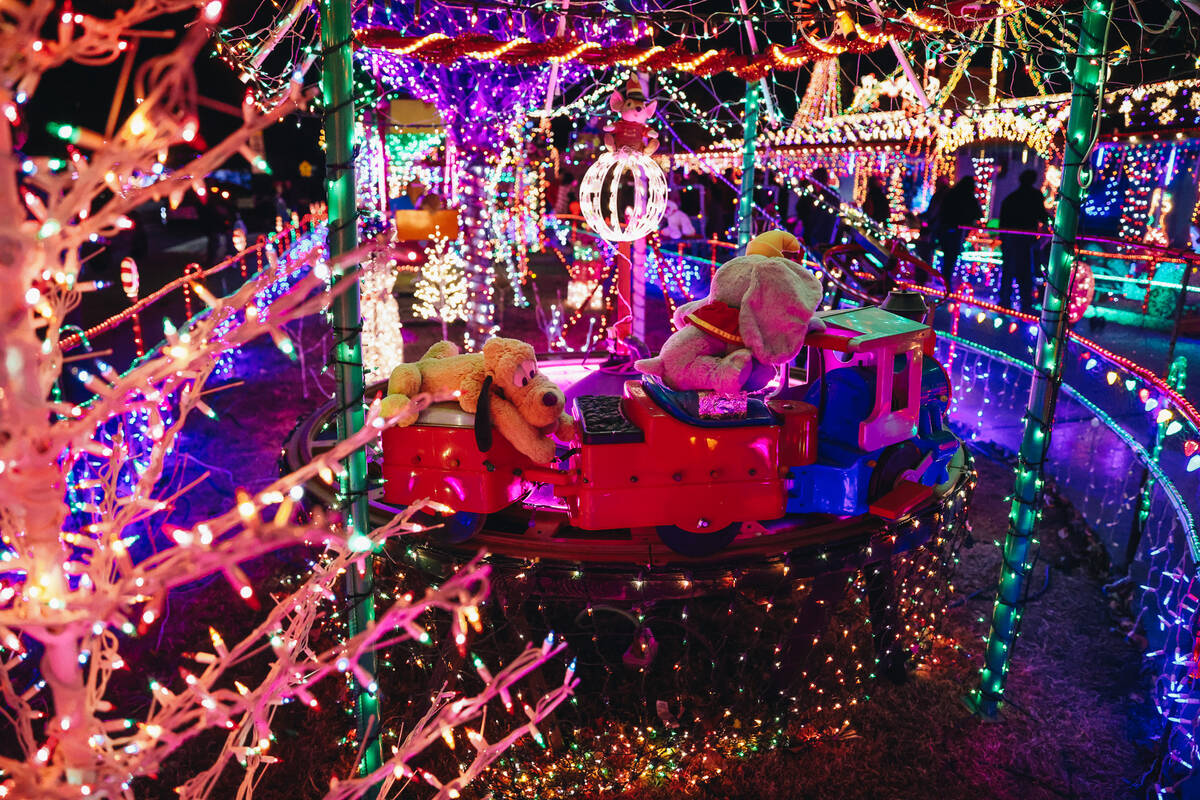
<point>603,422</point>
<point>685,407</point>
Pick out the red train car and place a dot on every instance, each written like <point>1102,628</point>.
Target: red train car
<point>649,458</point>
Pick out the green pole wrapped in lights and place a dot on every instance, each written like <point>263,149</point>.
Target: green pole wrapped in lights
<point>1047,363</point>
<point>750,134</point>
<point>337,91</point>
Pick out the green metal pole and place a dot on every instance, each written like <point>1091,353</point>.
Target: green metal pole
<point>1047,362</point>
<point>337,90</point>
<point>749,144</point>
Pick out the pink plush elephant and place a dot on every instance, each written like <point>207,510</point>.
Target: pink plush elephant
<point>759,309</point>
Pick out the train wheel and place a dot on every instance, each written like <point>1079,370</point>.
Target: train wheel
<point>894,462</point>
<point>697,545</point>
<point>459,527</point>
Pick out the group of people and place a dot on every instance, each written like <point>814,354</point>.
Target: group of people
<point>417,198</point>
<point>953,209</point>
<point>950,210</point>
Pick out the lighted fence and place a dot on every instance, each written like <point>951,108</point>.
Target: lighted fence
<point>122,334</point>
<point>1126,453</point>
<point>1136,283</point>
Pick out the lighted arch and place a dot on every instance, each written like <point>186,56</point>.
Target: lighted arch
<point>1041,130</point>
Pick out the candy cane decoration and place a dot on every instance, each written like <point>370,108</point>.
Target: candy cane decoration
<point>130,283</point>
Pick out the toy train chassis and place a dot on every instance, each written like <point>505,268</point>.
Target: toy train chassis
<point>526,529</point>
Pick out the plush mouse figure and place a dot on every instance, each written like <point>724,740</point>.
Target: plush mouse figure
<point>500,385</point>
<point>756,315</point>
<point>631,132</point>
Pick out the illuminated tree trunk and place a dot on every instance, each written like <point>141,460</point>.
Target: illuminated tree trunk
<point>1047,364</point>
<point>63,673</point>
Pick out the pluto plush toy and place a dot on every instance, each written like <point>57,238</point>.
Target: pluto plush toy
<point>757,313</point>
<point>500,385</point>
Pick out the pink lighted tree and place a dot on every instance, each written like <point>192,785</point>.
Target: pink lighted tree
<point>71,591</point>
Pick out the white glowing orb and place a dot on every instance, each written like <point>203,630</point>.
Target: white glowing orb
<point>606,177</point>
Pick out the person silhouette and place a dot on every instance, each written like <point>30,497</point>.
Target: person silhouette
<point>1024,209</point>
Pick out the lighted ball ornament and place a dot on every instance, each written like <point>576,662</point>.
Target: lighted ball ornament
<point>605,178</point>
<point>630,143</point>
<point>1083,290</point>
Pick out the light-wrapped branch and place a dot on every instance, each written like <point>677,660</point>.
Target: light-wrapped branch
<point>72,588</point>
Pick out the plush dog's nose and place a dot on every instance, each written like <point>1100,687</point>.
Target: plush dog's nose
<point>549,399</point>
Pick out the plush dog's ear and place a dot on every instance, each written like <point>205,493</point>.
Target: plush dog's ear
<point>483,417</point>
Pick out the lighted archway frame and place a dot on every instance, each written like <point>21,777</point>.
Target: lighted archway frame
<point>649,200</point>
<point>1041,131</point>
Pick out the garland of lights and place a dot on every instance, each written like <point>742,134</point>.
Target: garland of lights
<point>438,48</point>
<point>1036,122</point>
<point>515,215</point>
<point>1039,129</point>
<point>588,102</point>
<point>693,112</point>
<point>403,154</point>
<point>1142,167</point>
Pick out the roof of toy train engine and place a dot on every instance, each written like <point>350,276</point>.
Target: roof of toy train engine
<point>870,328</point>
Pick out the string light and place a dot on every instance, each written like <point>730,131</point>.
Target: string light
<point>84,482</point>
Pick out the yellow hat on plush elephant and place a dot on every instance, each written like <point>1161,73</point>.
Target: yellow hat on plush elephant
<point>773,244</point>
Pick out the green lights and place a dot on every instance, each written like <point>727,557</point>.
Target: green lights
<point>68,133</point>
<point>1039,413</point>
<point>749,144</point>
<point>337,85</point>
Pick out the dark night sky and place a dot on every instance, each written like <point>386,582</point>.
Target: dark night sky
<point>82,95</point>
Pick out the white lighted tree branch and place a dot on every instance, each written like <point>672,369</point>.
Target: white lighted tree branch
<point>71,591</point>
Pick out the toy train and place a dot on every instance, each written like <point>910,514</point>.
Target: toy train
<point>865,435</point>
